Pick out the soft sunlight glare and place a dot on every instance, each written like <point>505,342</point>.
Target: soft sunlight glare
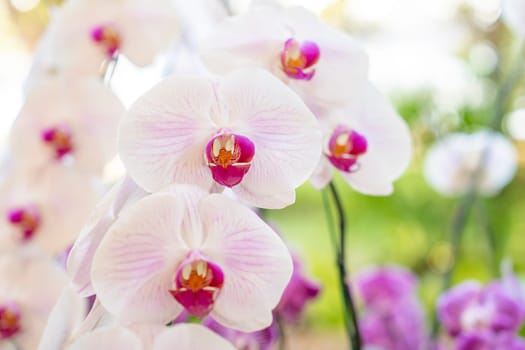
<point>516,124</point>
<point>24,5</point>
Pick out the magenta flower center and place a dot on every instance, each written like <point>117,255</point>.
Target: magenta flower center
<point>59,139</point>
<point>229,158</point>
<point>26,219</point>
<point>198,282</point>
<point>9,320</point>
<point>344,148</point>
<point>299,58</point>
<point>108,38</point>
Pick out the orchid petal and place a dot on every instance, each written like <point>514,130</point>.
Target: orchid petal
<point>81,254</point>
<point>342,69</point>
<point>256,264</point>
<point>322,175</point>
<point>52,192</point>
<point>190,337</point>
<point>285,134</point>
<point>21,273</point>
<point>85,107</point>
<point>389,143</point>
<point>452,161</point>
<point>163,137</point>
<point>246,41</point>
<point>108,338</point>
<point>66,315</point>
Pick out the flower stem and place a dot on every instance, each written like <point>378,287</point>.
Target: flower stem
<point>505,90</point>
<point>484,220</point>
<point>459,222</point>
<point>349,310</point>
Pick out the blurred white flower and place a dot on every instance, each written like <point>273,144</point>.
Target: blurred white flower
<point>515,124</point>
<point>46,209</point>
<point>30,287</point>
<point>84,34</point>
<point>452,161</point>
<point>514,15</point>
<point>67,118</point>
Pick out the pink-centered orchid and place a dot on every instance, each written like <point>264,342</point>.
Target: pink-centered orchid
<point>66,120</point>
<point>246,131</point>
<point>323,65</point>
<point>46,210</point>
<point>30,287</point>
<point>184,249</point>
<point>367,142</point>
<point>85,34</point>
<point>485,159</point>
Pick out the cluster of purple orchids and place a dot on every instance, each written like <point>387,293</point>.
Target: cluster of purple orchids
<point>471,316</point>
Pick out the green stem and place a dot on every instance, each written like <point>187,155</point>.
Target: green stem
<point>505,91</point>
<point>330,220</point>
<point>486,226</point>
<point>459,223</point>
<point>349,311</point>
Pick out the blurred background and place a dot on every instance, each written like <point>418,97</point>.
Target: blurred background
<point>440,62</point>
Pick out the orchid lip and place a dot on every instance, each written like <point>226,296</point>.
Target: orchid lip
<point>107,37</point>
<point>59,138</point>
<point>298,59</point>
<point>345,146</point>
<point>229,157</point>
<point>9,320</point>
<point>26,218</point>
<point>198,282</point>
